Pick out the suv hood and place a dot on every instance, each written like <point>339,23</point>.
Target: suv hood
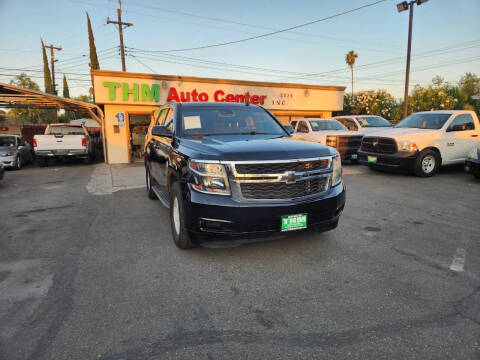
<point>251,147</point>
<point>405,133</point>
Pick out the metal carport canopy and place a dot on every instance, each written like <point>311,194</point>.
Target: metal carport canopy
<point>12,96</point>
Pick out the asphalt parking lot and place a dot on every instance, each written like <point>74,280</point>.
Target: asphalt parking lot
<point>98,277</point>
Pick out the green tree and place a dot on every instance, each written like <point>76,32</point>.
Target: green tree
<point>46,71</point>
<point>26,114</point>
<point>94,65</point>
<point>350,60</point>
<point>66,91</point>
<point>470,85</point>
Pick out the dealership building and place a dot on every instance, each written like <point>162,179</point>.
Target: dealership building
<point>129,100</point>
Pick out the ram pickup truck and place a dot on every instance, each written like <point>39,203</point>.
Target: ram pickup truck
<point>234,170</point>
<point>330,132</point>
<point>423,141</point>
<point>62,141</point>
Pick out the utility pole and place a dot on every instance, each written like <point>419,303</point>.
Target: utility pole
<point>402,7</point>
<point>52,62</point>
<point>120,24</point>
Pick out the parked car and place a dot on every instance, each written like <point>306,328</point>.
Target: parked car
<point>330,132</point>
<point>423,141</point>
<point>365,124</point>
<point>233,169</point>
<point>2,171</point>
<point>472,163</point>
<point>64,141</point>
<point>14,151</point>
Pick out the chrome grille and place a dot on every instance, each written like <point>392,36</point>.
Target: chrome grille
<point>279,168</point>
<point>281,179</point>
<point>276,190</point>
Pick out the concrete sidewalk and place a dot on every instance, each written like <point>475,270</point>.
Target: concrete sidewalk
<point>107,179</point>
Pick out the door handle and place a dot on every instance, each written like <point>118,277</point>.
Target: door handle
<point>474,135</point>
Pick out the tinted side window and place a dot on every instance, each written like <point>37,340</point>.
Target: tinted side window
<point>350,124</point>
<point>293,123</point>
<point>21,142</point>
<point>302,127</point>
<point>462,122</point>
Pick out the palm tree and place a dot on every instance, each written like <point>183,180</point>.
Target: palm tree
<point>350,60</point>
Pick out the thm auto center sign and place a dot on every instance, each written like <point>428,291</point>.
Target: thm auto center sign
<point>157,90</point>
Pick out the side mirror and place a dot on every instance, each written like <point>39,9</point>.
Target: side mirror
<point>161,130</point>
<point>289,128</point>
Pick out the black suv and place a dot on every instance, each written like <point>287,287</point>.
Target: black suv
<point>233,169</point>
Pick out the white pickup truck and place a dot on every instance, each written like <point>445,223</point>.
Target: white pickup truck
<point>422,142</point>
<point>329,132</point>
<point>62,141</point>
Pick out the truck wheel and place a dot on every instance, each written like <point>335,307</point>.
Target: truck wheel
<point>426,164</point>
<point>180,234</point>
<point>150,182</point>
<point>18,163</point>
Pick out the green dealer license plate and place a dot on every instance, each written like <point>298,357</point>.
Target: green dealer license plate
<point>294,222</point>
<point>372,159</point>
<point>354,157</point>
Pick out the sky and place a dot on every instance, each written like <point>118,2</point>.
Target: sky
<point>446,40</point>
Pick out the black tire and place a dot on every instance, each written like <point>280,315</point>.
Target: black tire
<point>426,164</point>
<point>477,176</point>
<point>180,233</point>
<point>149,181</point>
<point>354,161</point>
<point>18,163</point>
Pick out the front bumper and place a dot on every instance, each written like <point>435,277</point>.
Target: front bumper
<point>472,166</point>
<point>212,214</point>
<point>61,153</point>
<point>401,161</point>
<point>8,161</point>
<point>348,153</point>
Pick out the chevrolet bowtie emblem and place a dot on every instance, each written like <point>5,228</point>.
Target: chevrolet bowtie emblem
<point>290,177</point>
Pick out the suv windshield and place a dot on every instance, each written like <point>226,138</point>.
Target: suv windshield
<point>65,130</point>
<point>205,121</point>
<point>319,125</point>
<point>373,121</point>
<point>7,141</point>
<point>424,121</point>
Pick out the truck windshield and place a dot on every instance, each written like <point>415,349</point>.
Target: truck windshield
<point>373,121</point>
<point>424,121</point>
<point>65,130</point>
<point>7,141</point>
<point>320,125</point>
<point>207,121</point>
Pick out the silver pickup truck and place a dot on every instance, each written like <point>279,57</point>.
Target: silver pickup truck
<point>63,141</point>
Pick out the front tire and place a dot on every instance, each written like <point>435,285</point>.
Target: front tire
<point>18,163</point>
<point>180,233</point>
<point>426,164</point>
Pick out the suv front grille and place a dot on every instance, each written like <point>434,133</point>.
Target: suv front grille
<point>379,145</point>
<point>281,190</point>
<point>279,168</point>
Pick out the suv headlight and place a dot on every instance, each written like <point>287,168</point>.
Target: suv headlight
<point>209,177</point>
<point>10,153</point>
<point>473,154</point>
<point>407,146</point>
<point>336,170</point>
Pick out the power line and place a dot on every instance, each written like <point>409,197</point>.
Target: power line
<point>274,32</point>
